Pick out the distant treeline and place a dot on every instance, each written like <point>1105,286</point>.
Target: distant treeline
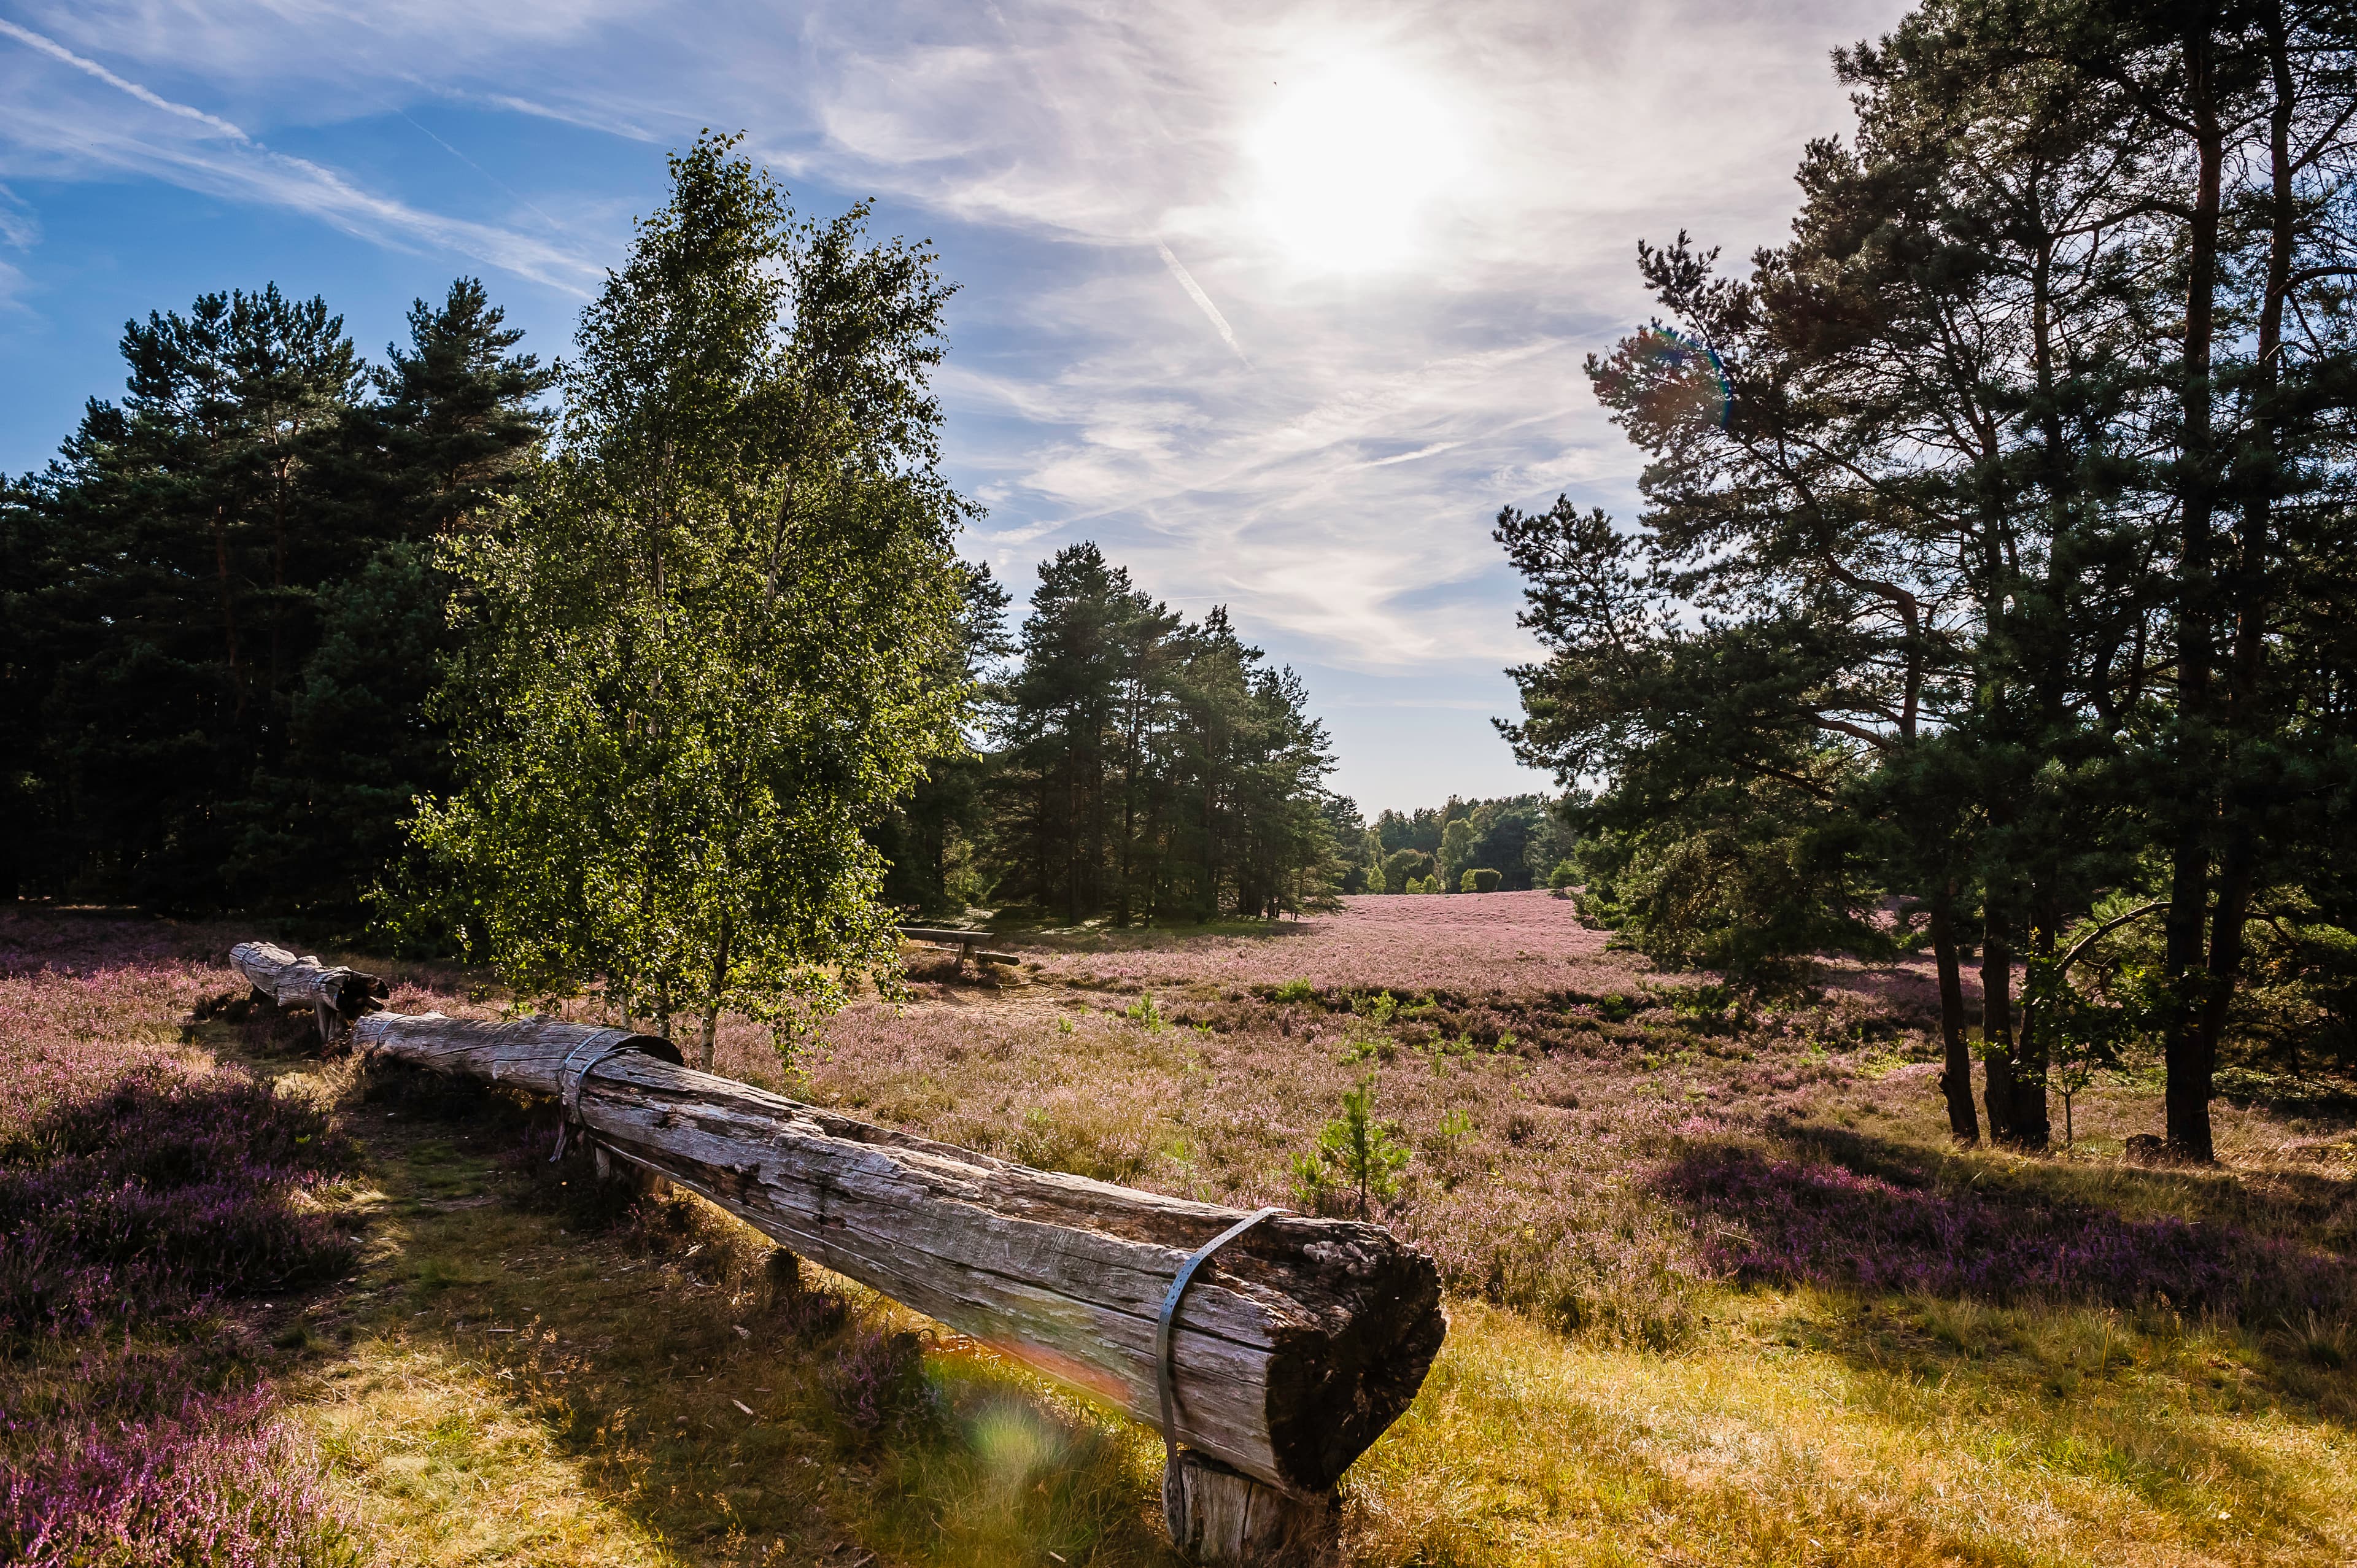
<point>227,609</point>
<point>1138,767</point>
<point>1521,838</point>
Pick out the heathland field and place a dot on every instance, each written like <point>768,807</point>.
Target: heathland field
<point>1720,1289</point>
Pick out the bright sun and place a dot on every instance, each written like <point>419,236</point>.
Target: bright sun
<point>1349,163</point>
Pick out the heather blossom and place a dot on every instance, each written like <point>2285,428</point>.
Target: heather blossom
<point>219,1481</point>
<point>141,1185</point>
<point>1789,1221</point>
<point>1469,943</point>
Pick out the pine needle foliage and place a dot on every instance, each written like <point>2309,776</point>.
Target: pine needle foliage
<point>1356,1152</point>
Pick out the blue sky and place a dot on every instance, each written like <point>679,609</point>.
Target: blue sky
<point>1279,302</point>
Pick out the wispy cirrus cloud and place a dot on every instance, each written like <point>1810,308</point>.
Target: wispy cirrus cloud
<point>1279,303</point>
<point>91,68</point>
<point>63,132</point>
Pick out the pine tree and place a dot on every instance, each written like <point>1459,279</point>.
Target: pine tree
<point>454,428</point>
<point>1153,768</point>
<point>180,547</point>
<point>932,839</point>
<point>1946,477</point>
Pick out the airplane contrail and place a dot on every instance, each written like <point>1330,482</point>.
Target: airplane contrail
<point>58,51</point>
<point>1195,292</point>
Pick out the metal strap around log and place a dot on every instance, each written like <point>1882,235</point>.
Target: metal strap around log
<point>601,1045</point>
<point>1174,1479</point>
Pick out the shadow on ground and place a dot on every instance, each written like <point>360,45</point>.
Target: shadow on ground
<point>538,1361</point>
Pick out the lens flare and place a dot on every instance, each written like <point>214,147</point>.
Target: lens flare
<point>1665,377</point>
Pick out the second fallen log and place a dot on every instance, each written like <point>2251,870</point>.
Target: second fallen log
<point>332,991</point>
<point>1295,1347</point>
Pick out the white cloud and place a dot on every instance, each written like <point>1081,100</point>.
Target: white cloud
<point>18,227</point>
<point>64,56</point>
<point>60,132</point>
<point>1416,220</point>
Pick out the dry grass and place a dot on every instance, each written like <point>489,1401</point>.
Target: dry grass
<point>440,1465</point>
<point>537,1368</point>
<point>1811,1429</point>
<point>1602,1398</point>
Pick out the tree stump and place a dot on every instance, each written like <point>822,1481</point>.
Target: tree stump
<point>1226,1517</point>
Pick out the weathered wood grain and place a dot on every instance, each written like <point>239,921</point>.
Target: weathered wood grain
<point>1296,1346</point>
<point>1225,1517</point>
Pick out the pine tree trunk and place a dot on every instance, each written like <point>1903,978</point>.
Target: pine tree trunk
<point>2033,1126</point>
<point>2188,1068</point>
<point>1957,1074</point>
<point>1997,1027</point>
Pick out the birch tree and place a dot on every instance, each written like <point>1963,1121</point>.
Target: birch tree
<point>707,646</point>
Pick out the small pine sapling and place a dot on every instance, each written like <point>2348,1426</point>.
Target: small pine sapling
<point>1356,1152</point>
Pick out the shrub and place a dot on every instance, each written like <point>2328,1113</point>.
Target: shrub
<point>1296,990</point>
<point>1791,1222</point>
<point>877,1382</point>
<point>221,1481</point>
<point>1563,878</point>
<point>1753,885</point>
<point>809,1313</point>
<point>1456,1127</point>
<point>158,1192</point>
<point>1402,868</point>
<point>1480,879</point>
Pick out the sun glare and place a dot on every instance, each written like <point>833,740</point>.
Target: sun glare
<point>1350,163</point>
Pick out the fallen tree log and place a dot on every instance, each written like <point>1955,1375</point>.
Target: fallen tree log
<point>1295,1347</point>
<point>287,981</point>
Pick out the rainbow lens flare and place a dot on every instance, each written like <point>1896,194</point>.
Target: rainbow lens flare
<point>1668,378</point>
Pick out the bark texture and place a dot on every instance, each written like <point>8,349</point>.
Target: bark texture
<point>1296,1346</point>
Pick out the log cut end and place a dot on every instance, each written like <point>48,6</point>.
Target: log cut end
<point>1352,1364</point>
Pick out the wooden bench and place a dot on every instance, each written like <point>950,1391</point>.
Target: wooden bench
<point>968,943</point>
